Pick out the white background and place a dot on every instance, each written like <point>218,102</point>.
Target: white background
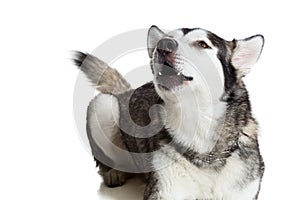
<point>41,155</point>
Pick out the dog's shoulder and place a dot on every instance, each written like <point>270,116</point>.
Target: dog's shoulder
<point>138,103</point>
<point>140,121</point>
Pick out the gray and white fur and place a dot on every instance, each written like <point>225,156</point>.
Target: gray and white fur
<point>193,121</point>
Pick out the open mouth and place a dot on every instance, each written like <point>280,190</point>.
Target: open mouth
<point>169,77</point>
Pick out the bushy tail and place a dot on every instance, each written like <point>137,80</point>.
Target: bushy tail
<point>102,76</point>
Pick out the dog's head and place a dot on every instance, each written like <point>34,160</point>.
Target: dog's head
<point>198,60</point>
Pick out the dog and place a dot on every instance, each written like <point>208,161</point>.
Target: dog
<point>190,131</point>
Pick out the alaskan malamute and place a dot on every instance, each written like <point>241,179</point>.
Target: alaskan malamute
<point>190,131</point>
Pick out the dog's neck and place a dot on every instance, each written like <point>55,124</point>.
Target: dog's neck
<point>193,121</point>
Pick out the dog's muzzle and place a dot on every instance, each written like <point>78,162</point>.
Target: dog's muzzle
<point>168,76</point>
<point>166,46</point>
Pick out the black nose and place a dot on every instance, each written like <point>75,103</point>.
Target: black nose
<point>166,46</point>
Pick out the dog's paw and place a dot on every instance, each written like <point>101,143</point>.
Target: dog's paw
<point>114,178</point>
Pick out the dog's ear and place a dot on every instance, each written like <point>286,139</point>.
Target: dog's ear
<point>246,53</point>
<point>154,35</point>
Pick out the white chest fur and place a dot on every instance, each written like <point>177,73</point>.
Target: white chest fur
<point>193,121</point>
<point>182,180</point>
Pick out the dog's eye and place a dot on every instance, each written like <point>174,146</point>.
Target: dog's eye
<point>203,44</point>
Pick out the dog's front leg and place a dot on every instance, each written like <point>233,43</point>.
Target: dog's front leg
<point>152,191</point>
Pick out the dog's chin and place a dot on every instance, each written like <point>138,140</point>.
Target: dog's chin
<point>172,82</point>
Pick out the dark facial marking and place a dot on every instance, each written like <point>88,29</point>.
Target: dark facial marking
<point>187,30</point>
<point>228,69</point>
